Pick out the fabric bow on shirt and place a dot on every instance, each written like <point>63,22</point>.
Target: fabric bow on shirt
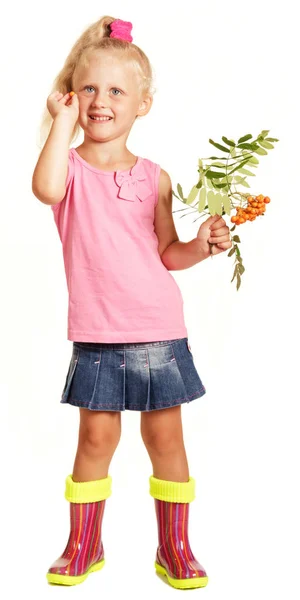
<point>132,184</point>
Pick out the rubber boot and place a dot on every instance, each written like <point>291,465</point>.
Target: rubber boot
<point>84,551</point>
<point>174,557</point>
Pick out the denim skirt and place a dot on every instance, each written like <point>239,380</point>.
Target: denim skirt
<point>141,376</point>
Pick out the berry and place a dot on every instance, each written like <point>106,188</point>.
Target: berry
<point>256,206</point>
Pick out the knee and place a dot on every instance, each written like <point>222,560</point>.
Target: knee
<point>100,443</point>
<point>160,441</point>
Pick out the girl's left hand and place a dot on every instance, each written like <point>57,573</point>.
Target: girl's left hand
<point>214,231</point>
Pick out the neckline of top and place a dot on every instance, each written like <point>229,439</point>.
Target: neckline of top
<point>86,164</point>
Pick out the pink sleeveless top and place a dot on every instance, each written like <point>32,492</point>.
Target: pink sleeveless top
<point>119,289</point>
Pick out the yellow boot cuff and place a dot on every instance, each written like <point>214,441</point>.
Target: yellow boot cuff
<point>172,491</point>
<point>87,491</point>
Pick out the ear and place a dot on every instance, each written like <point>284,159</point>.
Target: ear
<point>144,105</point>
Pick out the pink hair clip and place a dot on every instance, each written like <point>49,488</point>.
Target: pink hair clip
<point>121,30</point>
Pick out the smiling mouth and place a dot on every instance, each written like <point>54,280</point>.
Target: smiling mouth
<point>100,119</point>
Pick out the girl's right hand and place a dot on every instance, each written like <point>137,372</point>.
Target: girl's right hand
<point>59,104</point>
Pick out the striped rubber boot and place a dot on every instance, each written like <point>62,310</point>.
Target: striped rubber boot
<point>84,551</point>
<point>174,557</point>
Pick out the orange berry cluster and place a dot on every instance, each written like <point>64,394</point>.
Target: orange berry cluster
<point>256,206</point>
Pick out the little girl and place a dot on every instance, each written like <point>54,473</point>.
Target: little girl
<point>113,212</point>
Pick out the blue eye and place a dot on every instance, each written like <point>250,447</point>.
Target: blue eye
<point>114,89</point>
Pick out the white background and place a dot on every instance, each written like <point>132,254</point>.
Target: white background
<point>221,68</point>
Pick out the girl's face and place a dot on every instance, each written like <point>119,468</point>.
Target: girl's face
<point>109,86</point>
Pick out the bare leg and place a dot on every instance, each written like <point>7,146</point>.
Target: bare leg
<point>99,435</point>
<point>162,435</point>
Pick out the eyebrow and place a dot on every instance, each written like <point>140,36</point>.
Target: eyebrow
<point>84,84</point>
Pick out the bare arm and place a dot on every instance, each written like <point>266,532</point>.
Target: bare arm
<point>175,255</point>
<point>50,173</point>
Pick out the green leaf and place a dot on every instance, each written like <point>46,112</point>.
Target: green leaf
<point>231,252</point>
<point>220,186</point>
<point>246,172</point>
<point>226,204</point>
<point>241,181</point>
<point>229,178</point>
<point>219,146</point>
<point>243,162</point>
<point>238,281</point>
<point>241,268</point>
<point>214,174</point>
<point>175,195</point>
<point>217,164</point>
<point>245,138</point>
<point>228,142</point>
<point>200,163</point>
<point>238,251</point>
<point>179,189</point>
<point>265,144</point>
<point>217,158</point>
<point>218,204</point>
<point>236,238</point>
<point>272,139</point>
<point>233,228</point>
<point>260,151</point>
<point>211,202</point>
<point>254,160</point>
<point>246,158</point>
<point>202,200</point>
<point>249,156</point>
<point>245,146</point>
<point>199,184</point>
<point>210,184</point>
<point>192,195</point>
<point>265,132</point>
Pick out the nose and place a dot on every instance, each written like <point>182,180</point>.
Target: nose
<point>100,100</point>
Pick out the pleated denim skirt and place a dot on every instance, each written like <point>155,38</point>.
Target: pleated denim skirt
<point>141,376</point>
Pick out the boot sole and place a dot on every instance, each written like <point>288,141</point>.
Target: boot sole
<point>183,584</point>
<point>74,579</point>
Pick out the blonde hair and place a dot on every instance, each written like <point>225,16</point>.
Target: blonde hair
<point>92,40</point>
